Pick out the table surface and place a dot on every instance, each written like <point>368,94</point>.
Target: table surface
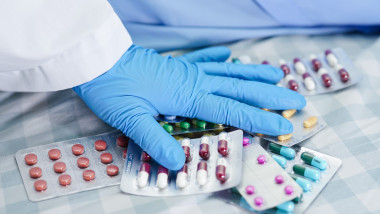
<point>353,135</point>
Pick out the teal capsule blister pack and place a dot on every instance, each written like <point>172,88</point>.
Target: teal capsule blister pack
<point>311,170</point>
<point>213,163</point>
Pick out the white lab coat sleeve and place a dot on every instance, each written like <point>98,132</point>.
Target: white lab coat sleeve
<point>49,45</point>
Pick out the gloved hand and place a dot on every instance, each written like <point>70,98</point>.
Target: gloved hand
<point>143,84</point>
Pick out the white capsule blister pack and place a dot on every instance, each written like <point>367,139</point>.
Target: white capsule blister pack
<point>265,184</point>
<point>72,166</point>
<point>319,169</point>
<point>300,133</point>
<point>323,73</point>
<point>221,170</point>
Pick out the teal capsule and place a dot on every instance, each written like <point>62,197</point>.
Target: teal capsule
<point>236,61</point>
<point>304,184</point>
<point>314,160</point>
<point>307,172</point>
<point>282,150</point>
<point>287,206</point>
<point>298,199</point>
<point>280,160</point>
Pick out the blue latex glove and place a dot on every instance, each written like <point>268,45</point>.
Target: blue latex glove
<point>143,84</point>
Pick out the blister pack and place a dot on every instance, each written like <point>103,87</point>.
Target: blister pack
<point>305,125</point>
<point>72,166</point>
<point>264,184</point>
<point>312,170</point>
<point>213,163</point>
<point>316,74</point>
<point>179,125</point>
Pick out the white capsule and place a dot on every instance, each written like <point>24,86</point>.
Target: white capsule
<point>279,84</point>
<point>322,71</point>
<point>205,140</point>
<point>309,83</point>
<point>181,180</point>
<point>337,67</point>
<point>281,62</point>
<point>202,173</point>
<point>300,67</point>
<point>312,56</point>
<point>221,161</point>
<point>142,179</point>
<point>202,177</point>
<point>331,59</point>
<point>223,136</point>
<point>162,180</point>
<point>245,59</point>
<point>288,78</point>
<point>185,142</point>
<point>170,117</point>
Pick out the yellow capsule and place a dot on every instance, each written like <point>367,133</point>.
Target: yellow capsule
<point>285,137</point>
<point>259,135</point>
<point>178,137</point>
<point>288,113</point>
<point>265,109</point>
<point>310,122</point>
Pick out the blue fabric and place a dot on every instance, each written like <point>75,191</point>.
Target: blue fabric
<point>166,25</point>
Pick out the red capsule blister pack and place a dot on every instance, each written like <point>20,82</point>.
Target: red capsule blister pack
<point>72,166</point>
<point>316,74</point>
<point>213,163</point>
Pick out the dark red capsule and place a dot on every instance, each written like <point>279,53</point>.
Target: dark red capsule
<point>145,157</point>
<point>285,69</point>
<point>223,147</point>
<point>316,64</point>
<point>204,152</point>
<point>293,85</point>
<point>327,81</point>
<point>344,76</point>
<point>186,149</point>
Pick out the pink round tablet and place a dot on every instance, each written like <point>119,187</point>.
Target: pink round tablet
<point>59,167</point>
<point>122,141</point>
<point>54,154</point>
<point>106,158</point>
<point>279,179</point>
<point>30,159</point>
<point>112,170</point>
<point>125,153</point>
<point>259,201</point>
<point>88,175</point>
<point>245,141</point>
<point>250,189</point>
<point>261,159</point>
<point>40,185</point>
<point>64,180</point>
<point>35,172</point>
<point>77,149</point>
<point>83,162</point>
<point>288,190</point>
<point>100,145</point>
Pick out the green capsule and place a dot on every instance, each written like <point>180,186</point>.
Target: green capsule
<point>200,123</point>
<point>167,127</point>
<point>183,125</point>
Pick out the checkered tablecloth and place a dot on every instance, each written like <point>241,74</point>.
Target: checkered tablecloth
<point>353,135</point>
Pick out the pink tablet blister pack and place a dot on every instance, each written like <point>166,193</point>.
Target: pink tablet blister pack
<point>72,166</point>
<point>264,183</point>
